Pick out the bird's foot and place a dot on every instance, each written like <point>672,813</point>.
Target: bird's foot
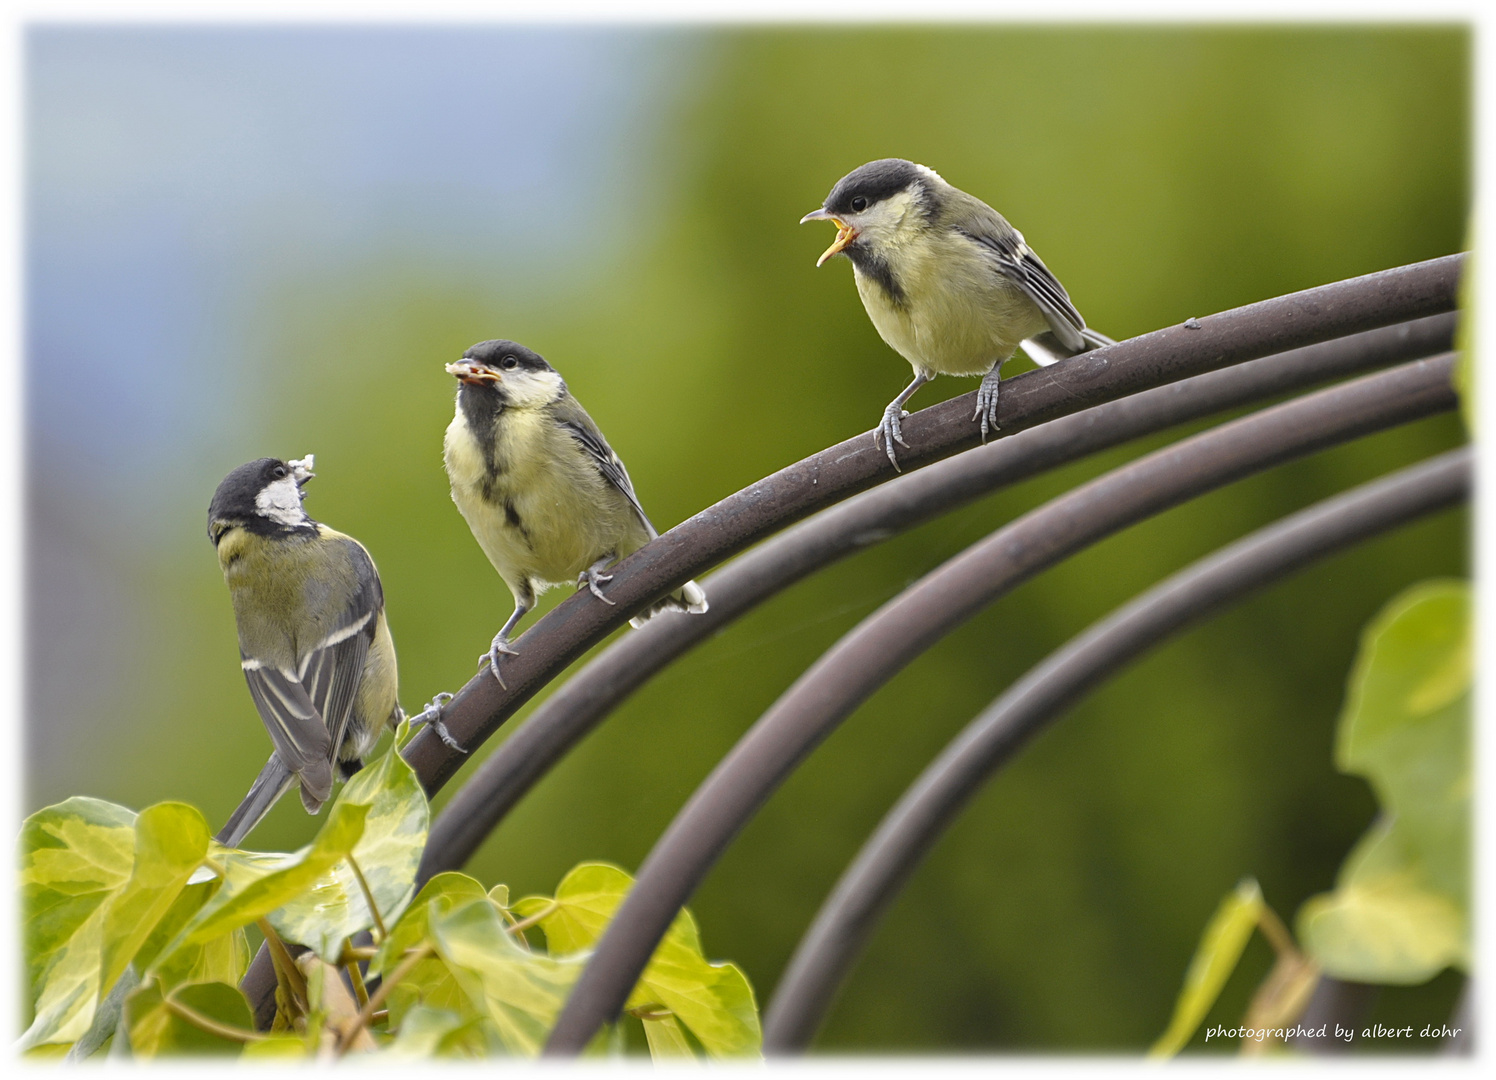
<point>431,716</point>
<point>500,647</point>
<point>594,579</point>
<point>890,430</point>
<point>987,403</point>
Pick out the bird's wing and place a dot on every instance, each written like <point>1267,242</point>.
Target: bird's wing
<point>296,729</point>
<point>332,670</point>
<point>1016,261</point>
<point>307,711</point>
<point>576,423</point>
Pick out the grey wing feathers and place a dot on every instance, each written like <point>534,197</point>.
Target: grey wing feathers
<point>580,427</point>
<point>1017,262</point>
<point>574,420</point>
<point>1045,349</point>
<point>267,789</point>
<point>296,729</point>
<point>332,670</point>
<point>307,712</point>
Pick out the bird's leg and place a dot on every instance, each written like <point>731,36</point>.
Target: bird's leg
<point>593,578</point>
<point>432,715</point>
<point>889,428</point>
<point>501,644</point>
<point>987,400</point>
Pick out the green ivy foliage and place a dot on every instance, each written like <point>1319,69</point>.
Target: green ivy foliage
<point>135,938</point>
<point>1399,913</point>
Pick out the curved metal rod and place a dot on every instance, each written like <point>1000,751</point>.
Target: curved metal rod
<point>582,702</point>
<point>581,621</point>
<point>886,862</point>
<point>834,474</point>
<point>880,646</point>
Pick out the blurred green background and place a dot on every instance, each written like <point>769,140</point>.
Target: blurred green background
<point>1161,173</point>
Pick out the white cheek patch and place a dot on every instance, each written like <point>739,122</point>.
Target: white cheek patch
<point>897,204</point>
<point>882,223</point>
<point>281,503</point>
<point>528,389</point>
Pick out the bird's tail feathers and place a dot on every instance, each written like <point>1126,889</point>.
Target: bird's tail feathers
<point>267,789</point>
<point>1045,349</point>
<point>688,598</point>
<point>310,801</point>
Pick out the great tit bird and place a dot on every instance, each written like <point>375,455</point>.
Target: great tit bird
<point>313,640</point>
<point>548,500</point>
<point>947,282</point>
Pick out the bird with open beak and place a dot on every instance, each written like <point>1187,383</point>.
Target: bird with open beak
<point>947,282</point>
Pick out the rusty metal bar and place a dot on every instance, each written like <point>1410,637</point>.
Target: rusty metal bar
<point>889,858</point>
<point>887,640</point>
<point>578,706</point>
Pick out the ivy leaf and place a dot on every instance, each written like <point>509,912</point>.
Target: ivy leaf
<point>155,1030</point>
<point>520,991</point>
<point>1399,913</point>
<point>714,1000</point>
<point>1382,924</point>
<point>332,1006</point>
<point>1215,959</point>
<point>427,1033</point>
<point>388,853</point>
<point>222,959</point>
<point>74,857</point>
<point>448,889</point>
<point>276,1048</point>
<point>171,839</point>
<point>256,884</point>
<point>665,1038</point>
<point>430,983</point>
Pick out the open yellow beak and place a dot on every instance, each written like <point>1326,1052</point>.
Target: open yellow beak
<point>473,373</point>
<point>845,234</point>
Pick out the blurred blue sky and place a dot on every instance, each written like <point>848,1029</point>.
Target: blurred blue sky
<point>173,175</point>
<point>171,171</point>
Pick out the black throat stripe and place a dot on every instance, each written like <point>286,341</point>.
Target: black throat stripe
<point>880,272</point>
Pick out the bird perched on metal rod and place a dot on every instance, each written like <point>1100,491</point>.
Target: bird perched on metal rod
<point>548,500</point>
<point>948,283</point>
<point>313,640</point>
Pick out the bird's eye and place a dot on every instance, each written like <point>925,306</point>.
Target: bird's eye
<point>859,204</point>
<point>279,472</point>
<point>509,363</point>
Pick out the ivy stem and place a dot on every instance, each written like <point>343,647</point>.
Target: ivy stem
<point>525,924</point>
<point>366,1013</point>
<point>1276,933</point>
<point>354,953</point>
<point>359,989</point>
<point>211,1026</point>
<point>368,897</point>
<point>650,1013</point>
<point>285,968</point>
